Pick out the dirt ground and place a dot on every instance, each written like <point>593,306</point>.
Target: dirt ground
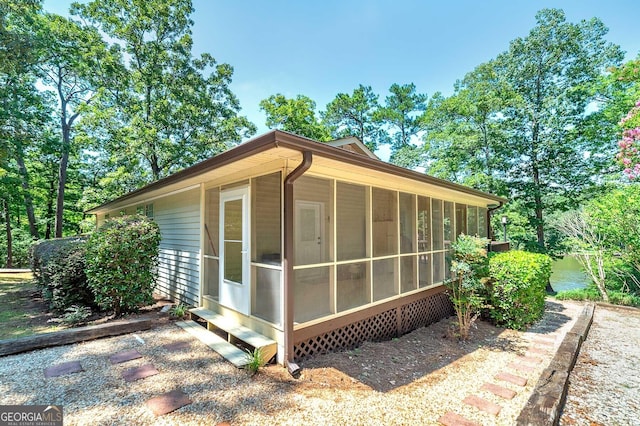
<point>384,366</point>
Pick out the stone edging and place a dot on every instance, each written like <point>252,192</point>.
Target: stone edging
<point>546,402</point>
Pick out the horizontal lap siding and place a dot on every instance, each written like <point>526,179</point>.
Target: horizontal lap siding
<point>179,262</point>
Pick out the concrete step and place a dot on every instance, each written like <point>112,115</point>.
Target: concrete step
<point>228,351</point>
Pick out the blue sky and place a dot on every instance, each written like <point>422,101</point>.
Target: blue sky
<point>321,48</point>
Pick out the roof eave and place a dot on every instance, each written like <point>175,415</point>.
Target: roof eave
<point>277,138</point>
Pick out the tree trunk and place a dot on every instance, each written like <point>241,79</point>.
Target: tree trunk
<point>28,202</point>
<point>62,179</point>
<point>50,218</point>
<point>7,219</point>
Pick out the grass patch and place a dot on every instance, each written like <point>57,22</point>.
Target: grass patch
<point>592,294</point>
<point>22,314</point>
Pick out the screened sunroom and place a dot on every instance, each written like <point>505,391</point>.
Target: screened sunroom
<point>314,246</point>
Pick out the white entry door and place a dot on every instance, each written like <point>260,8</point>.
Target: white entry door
<point>235,268</point>
<point>309,243</point>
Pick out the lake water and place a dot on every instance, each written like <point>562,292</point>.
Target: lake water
<point>567,274</point>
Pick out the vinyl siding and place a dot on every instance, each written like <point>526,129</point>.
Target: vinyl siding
<point>179,261</point>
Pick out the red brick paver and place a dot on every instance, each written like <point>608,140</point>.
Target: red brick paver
<point>124,356</point>
<point>453,419</point>
<point>500,391</point>
<point>511,378</point>
<point>168,402</point>
<point>529,359</point>
<point>518,366</point>
<point>482,404</point>
<point>63,369</point>
<point>536,352</point>
<point>138,373</point>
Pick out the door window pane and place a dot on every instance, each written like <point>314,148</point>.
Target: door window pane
<point>233,261</point>
<point>351,221</point>
<point>407,223</point>
<point>233,240</point>
<point>233,220</point>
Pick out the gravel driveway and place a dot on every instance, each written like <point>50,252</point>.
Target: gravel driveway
<point>604,386</point>
<point>434,374</point>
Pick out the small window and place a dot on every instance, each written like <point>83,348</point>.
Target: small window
<point>148,211</point>
<point>140,210</point>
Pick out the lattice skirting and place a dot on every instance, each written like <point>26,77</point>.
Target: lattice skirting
<point>386,325</point>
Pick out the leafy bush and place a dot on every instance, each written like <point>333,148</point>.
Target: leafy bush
<point>122,258</point>
<point>76,314</point>
<point>21,244</point>
<point>469,269</point>
<point>58,266</point>
<point>517,291</point>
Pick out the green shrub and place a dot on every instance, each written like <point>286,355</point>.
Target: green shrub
<point>469,270</point>
<point>517,292</point>
<point>76,315</point>
<point>122,259</point>
<point>59,268</point>
<point>21,243</point>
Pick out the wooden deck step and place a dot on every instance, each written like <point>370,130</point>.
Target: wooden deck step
<point>268,346</point>
<point>230,352</point>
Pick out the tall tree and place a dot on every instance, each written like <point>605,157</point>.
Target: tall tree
<point>173,109</point>
<point>297,115</point>
<point>402,115</point>
<point>465,137</point>
<point>23,110</point>
<point>352,115</point>
<point>552,72</point>
<point>76,57</point>
<point>23,115</point>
